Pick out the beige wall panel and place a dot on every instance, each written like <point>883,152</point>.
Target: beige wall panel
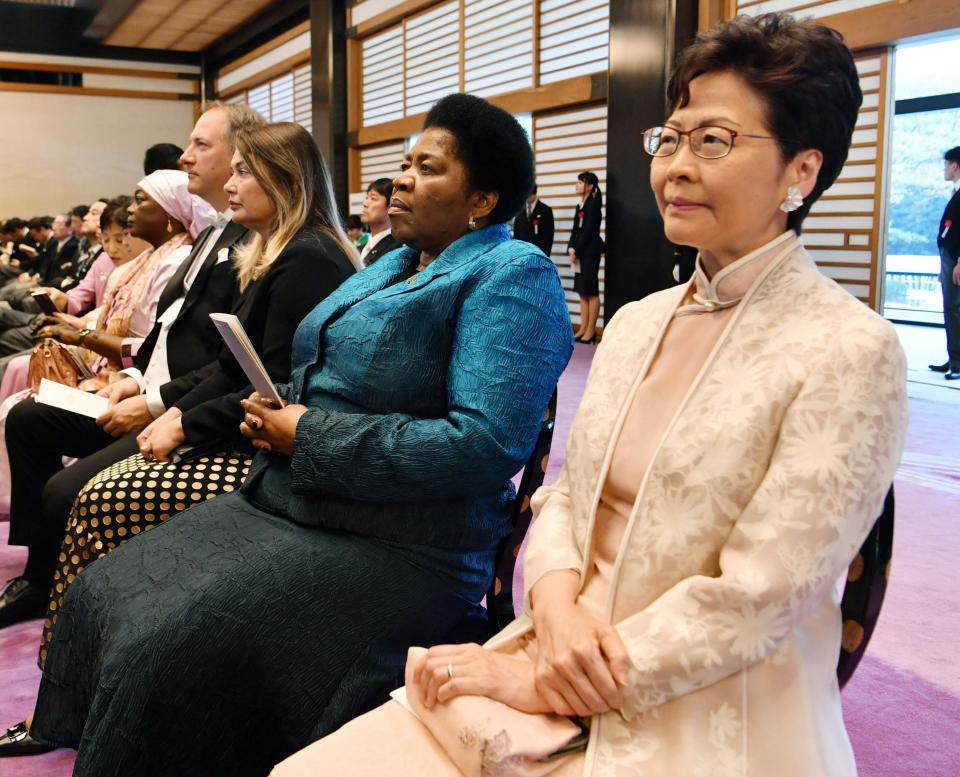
<point>62,150</point>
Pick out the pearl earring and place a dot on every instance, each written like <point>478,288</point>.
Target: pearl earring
<point>472,224</point>
<point>793,201</point>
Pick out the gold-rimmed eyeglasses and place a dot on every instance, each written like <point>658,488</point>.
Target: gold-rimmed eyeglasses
<point>706,142</point>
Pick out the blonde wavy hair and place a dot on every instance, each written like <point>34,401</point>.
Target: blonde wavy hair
<point>285,161</point>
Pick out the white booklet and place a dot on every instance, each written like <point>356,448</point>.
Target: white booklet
<point>74,400</point>
<point>233,334</point>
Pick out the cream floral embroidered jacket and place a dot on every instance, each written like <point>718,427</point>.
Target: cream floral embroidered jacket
<point>765,485</point>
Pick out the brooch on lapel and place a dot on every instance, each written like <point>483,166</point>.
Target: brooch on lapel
<point>420,268</point>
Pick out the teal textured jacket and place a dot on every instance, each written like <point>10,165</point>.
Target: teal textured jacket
<point>426,394</point>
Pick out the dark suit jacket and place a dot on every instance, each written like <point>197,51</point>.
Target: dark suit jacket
<point>310,267</point>
<point>192,340</point>
<point>538,228</point>
<point>951,240</point>
<point>585,236</point>
<point>55,264</point>
<point>385,246</point>
<point>25,260</point>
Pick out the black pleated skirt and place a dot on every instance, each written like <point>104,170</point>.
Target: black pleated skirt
<point>228,638</point>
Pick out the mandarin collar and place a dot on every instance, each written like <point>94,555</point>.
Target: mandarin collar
<point>729,285</point>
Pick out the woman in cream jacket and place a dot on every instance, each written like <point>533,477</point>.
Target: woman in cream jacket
<point>733,447</point>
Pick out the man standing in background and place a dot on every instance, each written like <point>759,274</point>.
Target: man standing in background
<point>948,242</point>
<point>374,217</point>
<point>535,223</point>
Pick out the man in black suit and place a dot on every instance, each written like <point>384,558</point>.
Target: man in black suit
<point>60,255</point>
<point>374,217</point>
<point>535,223</point>
<point>17,246</point>
<point>182,339</point>
<point>948,242</point>
<point>54,263</point>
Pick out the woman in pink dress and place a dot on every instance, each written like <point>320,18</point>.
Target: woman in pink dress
<point>731,452</point>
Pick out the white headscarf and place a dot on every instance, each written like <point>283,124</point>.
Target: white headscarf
<point>169,189</point>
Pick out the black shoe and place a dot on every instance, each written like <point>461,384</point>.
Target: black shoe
<point>20,601</point>
<point>952,375</point>
<point>17,741</point>
<point>591,340</point>
<point>945,367</point>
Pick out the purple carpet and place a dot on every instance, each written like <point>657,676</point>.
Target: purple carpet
<point>902,707</point>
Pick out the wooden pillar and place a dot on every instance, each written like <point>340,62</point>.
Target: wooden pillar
<point>328,59</point>
<point>644,38</point>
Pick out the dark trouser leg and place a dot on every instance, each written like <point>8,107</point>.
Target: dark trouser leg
<point>38,436</point>
<point>11,318</point>
<point>951,309</point>
<point>17,340</point>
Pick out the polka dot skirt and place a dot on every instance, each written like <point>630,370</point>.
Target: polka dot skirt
<point>128,498</point>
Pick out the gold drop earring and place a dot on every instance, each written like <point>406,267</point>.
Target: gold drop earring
<point>169,225</point>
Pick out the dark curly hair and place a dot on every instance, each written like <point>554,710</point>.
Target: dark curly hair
<point>803,73</point>
<point>493,147</point>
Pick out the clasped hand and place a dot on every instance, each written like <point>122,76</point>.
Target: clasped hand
<point>162,436</point>
<point>580,668</point>
<point>270,427</point>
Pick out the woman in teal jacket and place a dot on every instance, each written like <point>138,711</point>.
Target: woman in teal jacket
<point>246,627</point>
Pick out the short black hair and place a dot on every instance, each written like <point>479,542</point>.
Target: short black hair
<point>533,190</point>
<point>162,156</point>
<point>383,187</point>
<point>803,73</point>
<point>353,222</point>
<point>116,212</point>
<point>493,147</point>
<point>40,222</point>
<point>79,211</point>
<point>14,225</point>
<point>953,155</point>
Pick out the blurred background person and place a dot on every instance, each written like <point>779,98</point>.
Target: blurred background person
<point>535,223</point>
<point>584,250</point>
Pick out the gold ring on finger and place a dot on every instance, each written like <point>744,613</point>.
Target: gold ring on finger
<point>450,671</point>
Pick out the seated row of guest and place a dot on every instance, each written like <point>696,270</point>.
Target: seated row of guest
<point>295,259</point>
<point>165,218</point>
<point>681,573</point>
<point>52,261</point>
<point>417,388</point>
<point>733,447</point>
<point>39,253</point>
<point>180,339</point>
<point>18,329</point>
<point>88,302</point>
